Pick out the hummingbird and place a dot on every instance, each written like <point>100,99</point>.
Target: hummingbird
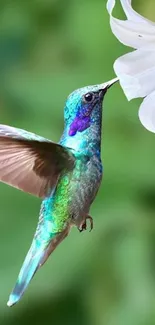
<point>66,175</point>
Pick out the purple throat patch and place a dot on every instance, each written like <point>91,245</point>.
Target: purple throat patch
<point>79,124</point>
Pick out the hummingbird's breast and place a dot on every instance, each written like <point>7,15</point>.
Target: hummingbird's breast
<point>70,201</point>
<point>84,184</point>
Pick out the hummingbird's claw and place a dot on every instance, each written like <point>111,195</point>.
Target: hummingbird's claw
<point>84,225</point>
<point>91,222</point>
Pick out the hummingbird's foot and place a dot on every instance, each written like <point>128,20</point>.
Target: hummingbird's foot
<point>84,225</point>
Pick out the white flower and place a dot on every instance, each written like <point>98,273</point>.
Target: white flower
<point>136,70</point>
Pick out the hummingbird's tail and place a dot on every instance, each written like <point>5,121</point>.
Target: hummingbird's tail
<point>35,258</point>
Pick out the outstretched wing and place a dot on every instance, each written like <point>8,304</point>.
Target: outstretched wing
<point>29,162</point>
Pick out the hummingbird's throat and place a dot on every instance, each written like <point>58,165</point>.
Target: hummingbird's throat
<point>79,124</point>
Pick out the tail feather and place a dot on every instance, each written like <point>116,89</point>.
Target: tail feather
<point>35,258</point>
<point>30,266</point>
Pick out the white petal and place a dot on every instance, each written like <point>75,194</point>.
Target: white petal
<point>147,112</point>
<point>136,72</point>
<point>138,32</point>
<point>131,14</point>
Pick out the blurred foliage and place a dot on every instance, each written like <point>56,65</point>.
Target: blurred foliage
<point>48,48</point>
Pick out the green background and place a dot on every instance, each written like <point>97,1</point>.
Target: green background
<point>48,48</point>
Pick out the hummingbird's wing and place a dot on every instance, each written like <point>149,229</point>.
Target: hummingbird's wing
<point>31,163</point>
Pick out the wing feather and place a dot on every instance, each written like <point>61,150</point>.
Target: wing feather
<point>31,163</point>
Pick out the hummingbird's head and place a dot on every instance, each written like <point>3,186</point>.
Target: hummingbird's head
<point>83,104</point>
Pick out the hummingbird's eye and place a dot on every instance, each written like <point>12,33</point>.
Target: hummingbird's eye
<point>89,97</point>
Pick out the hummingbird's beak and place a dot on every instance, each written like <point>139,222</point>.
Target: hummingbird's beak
<point>109,83</point>
<point>112,82</point>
